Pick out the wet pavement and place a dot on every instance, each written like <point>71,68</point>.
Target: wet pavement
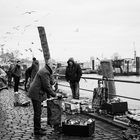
<point>16,123</point>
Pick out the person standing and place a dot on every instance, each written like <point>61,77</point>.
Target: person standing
<point>41,85</point>
<point>9,74</point>
<point>73,74</point>
<point>16,75</point>
<point>34,68</point>
<point>27,78</point>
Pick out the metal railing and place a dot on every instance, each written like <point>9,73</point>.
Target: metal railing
<point>107,79</point>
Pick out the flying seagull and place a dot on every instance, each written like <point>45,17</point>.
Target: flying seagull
<point>25,27</point>
<point>30,49</point>
<point>8,32</point>
<point>40,50</point>
<point>2,44</point>
<point>77,30</point>
<point>35,20</point>
<point>29,12</point>
<point>16,28</point>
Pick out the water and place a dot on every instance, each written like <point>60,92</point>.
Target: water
<point>123,89</point>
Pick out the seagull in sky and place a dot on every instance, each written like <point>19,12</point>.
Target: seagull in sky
<point>16,27</point>
<point>35,20</point>
<point>77,30</point>
<point>2,44</point>
<point>26,26</point>
<point>29,12</point>
<point>40,50</point>
<point>8,32</point>
<point>30,49</point>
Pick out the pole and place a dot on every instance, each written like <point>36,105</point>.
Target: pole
<point>44,43</point>
<point>138,65</point>
<point>107,71</point>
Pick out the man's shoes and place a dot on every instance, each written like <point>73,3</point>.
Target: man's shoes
<point>76,98</point>
<point>40,132</point>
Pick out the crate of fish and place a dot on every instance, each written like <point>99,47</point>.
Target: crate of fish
<point>78,126</point>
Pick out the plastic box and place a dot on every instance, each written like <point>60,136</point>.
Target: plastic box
<point>79,130</point>
<point>116,108</point>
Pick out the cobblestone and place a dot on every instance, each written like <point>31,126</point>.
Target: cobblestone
<point>16,123</point>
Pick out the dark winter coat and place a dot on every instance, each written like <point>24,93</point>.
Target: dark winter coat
<point>27,76</point>
<point>16,71</point>
<point>41,84</point>
<point>73,73</point>
<point>34,69</point>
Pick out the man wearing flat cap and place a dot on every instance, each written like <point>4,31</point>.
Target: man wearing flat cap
<point>40,84</point>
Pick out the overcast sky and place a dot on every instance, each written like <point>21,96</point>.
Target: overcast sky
<point>74,28</point>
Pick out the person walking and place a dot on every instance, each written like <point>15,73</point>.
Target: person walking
<point>9,74</point>
<point>16,76</point>
<point>73,74</point>
<point>40,85</point>
<point>27,78</point>
<point>34,68</point>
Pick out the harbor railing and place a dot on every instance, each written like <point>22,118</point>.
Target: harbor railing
<point>60,76</point>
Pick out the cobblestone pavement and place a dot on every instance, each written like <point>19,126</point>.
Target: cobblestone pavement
<point>16,123</point>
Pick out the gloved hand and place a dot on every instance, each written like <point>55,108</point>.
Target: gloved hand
<point>59,96</point>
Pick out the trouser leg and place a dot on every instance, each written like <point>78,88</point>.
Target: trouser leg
<point>72,89</point>
<point>37,115</point>
<point>16,83</point>
<point>75,89</point>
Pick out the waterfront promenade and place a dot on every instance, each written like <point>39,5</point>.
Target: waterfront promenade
<point>16,123</point>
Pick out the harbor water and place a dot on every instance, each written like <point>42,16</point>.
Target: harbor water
<point>123,89</point>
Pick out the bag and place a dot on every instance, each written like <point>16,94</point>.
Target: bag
<point>54,111</point>
<point>21,99</point>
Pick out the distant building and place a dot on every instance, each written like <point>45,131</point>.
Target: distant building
<point>124,65</point>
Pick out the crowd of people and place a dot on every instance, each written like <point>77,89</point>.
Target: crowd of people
<point>38,84</point>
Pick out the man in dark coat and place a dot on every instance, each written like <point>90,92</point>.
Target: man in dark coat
<point>34,68</point>
<point>9,74</point>
<point>41,84</point>
<point>73,74</point>
<point>17,75</point>
<point>27,78</point>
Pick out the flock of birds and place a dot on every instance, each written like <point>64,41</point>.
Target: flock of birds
<point>18,28</point>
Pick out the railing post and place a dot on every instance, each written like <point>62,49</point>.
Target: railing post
<point>138,65</point>
<point>107,71</point>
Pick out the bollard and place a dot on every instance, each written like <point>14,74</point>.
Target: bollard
<point>92,61</point>
<point>107,71</point>
<point>138,65</point>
